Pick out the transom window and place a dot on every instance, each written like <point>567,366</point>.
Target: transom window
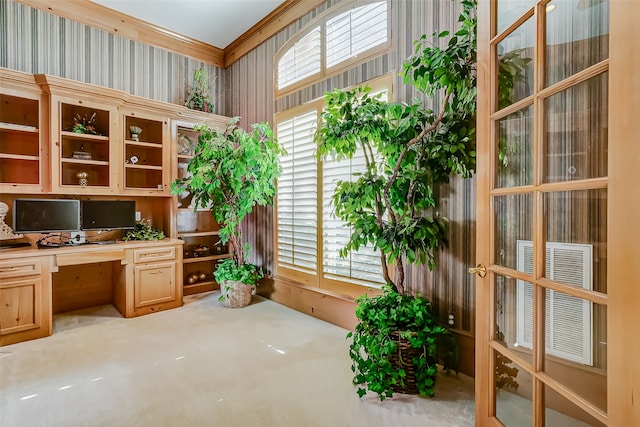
<point>352,34</point>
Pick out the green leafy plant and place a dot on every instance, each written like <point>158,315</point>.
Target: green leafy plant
<point>229,270</point>
<point>143,231</point>
<point>231,172</point>
<point>409,150</point>
<point>198,95</point>
<point>379,317</point>
<point>84,124</point>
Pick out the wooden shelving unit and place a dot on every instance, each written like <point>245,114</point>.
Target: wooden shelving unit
<point>197,228</point>
<point>83,163</point>
<point>146,160</point>
<point>22,115</point>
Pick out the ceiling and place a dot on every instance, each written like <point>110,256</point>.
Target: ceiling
<point>215,22</point>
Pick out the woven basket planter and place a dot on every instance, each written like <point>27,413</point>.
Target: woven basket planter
<point>403,359</point>
<point>235,294</point>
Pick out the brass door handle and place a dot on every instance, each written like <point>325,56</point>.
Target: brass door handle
<point>479,269</point>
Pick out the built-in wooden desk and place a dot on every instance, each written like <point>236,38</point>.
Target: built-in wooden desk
<point>138,278</point>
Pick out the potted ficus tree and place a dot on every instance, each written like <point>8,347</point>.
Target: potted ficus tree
<point>232,171</point>
<point>408,150</point>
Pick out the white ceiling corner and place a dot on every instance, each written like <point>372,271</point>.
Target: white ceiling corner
<point>215,22</point>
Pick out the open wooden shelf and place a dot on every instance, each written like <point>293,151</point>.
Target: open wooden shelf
<point>84,136</point>
<point>18,157</point>
<point>13,127</point>
<point>85,162</point>
<point>144,144</point>
<point>199,287</point>
<point>204,258</point>
<point>198,233</point>
<point>148,167</point>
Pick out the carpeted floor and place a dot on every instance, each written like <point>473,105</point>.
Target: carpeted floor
<point>204,365</point>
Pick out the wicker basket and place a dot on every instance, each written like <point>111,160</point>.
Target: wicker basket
<point>403,358</point>
<point>235,294</point>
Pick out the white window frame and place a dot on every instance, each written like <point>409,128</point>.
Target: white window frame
<point>320,279</point>
<point>326,72</point>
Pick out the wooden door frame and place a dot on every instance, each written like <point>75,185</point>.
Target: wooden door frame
<point>623,226</point>
<point>483,389</point>
<point>623,210</point>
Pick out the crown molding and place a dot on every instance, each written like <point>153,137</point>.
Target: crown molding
<point>285,14</point>
<point>97,16</point>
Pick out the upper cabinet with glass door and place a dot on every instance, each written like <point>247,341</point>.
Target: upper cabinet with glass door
<point>23,129</point>
<point>84,137</point>
<point>146,152</point>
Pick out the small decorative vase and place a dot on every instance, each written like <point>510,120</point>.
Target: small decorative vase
<point>82,178</point>
<point>135,132</point>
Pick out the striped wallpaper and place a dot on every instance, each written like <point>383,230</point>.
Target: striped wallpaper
<point>35,41</point>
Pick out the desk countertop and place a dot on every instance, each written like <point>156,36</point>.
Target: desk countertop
<point>75,249</point>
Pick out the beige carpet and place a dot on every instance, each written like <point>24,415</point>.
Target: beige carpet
<point>204,365</point>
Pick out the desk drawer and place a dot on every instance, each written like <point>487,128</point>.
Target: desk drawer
<point>20,267</point>
<point>89,257</point>
<point>154,254</point>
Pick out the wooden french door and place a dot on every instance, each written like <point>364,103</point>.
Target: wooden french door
<point>548,312</point>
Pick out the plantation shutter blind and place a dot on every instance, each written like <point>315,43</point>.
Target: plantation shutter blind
<point>355,31</point>
<point>297,218</point>
<point>568,320</point>
<point>362,266</point>
<point>302,60</point>
<point>359,266</point>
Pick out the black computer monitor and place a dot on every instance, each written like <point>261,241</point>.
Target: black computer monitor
<point>45,215</point>
<point>107,214</point>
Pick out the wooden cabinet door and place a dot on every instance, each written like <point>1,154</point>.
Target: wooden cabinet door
<point>146,161</point>
<point>22,132</point>
<point>83,163</point>
<point>23,316</point>
<point>154,284</point>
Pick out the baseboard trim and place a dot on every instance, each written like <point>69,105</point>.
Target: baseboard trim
<point>325,305</point>
<point>339,310</point>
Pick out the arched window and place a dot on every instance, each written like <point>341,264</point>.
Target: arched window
<point>333,41</point>
<point>301,60</point>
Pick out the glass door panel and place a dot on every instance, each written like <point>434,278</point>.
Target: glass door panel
<point>513,390</point>
<point>576,132</point>
<point>576,345</point>
<point>514,316</point>
<point>513,222</point>
<point>561,412</point>
<point>576,238</point>
<point>515,65</point>
<point>577,37</point>
<point>510,10</point>
<point>514,154</point>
